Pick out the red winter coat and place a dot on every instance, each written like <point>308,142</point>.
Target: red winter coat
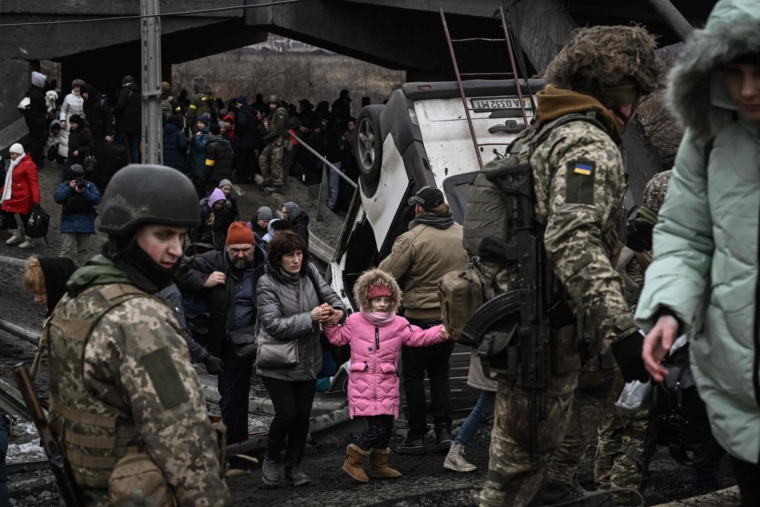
<point>26,190</point>
<point>230,118</point>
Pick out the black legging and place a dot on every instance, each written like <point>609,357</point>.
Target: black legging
<point>378,433</point>
<point>9,220</point>
<point>292,409</point>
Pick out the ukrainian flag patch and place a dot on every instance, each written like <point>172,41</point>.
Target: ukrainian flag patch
<point>583,169</point>
<point>580,182</point>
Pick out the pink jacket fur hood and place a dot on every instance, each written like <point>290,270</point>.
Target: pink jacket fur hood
<point>373,382</point>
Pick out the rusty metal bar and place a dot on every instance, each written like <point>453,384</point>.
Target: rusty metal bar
<point>461,89</point>
<point>514,68</point>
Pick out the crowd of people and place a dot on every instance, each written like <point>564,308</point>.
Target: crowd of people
<point>681,282</point>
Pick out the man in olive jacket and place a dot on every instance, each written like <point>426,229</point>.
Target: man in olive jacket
<point>420,257</point>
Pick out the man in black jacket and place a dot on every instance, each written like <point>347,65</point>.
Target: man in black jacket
<point>218,160</point>
<point>128,112</point>
<point>36,119</point>
<point>227,280</point>
<point>247,141</point>
<point>98,113</point>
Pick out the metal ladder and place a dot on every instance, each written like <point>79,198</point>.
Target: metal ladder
<point>459,75</point>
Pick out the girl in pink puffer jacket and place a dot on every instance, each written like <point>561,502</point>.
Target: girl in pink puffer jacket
<point>376,335</point>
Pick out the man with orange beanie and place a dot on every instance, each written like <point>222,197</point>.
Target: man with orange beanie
<point>227,280</point>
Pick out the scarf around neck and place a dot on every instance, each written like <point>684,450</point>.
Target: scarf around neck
<point>9,179</point>
<point>435,220</point>
<point>379,319</point>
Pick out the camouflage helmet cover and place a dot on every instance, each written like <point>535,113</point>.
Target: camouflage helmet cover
<point>273,99</point>
<point>604,55</point>
<point>654,192</point>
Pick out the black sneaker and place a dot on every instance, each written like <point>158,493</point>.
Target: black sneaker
<point>412,444</point>
<point>443,441</point>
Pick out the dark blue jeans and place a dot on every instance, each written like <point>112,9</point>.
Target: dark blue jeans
<point>234,387</point>
<point>134,145</point>
<point>483,408</point>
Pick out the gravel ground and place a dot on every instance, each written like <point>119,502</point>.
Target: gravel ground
<point>425,481</point>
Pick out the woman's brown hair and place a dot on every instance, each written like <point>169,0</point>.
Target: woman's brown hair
<point>286,242</point>
<point>34,278</point>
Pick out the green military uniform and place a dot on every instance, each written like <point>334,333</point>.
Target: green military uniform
<point>619,461</point>
<point>120,376</point>
<point>201,102</point>
<point>579,184</point>
<point>270,160</point>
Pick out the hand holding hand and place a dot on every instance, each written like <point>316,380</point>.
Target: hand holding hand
<point>319,314</point>
<point>214,279</point>
<point>334,317</point>
<point>657,344</point>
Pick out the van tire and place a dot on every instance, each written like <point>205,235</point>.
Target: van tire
<point>369,146</point>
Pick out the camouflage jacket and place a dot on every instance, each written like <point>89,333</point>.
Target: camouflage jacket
<point>136,370</point>
<point>278,124</point>
<point>580,184</point>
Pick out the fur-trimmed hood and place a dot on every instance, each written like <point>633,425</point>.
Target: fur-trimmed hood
<point>373,277</point>
<point>695,94</point>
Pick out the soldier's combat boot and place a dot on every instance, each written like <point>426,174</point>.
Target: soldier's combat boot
<point>293,458</point>
<point>270,472</point>
<point>553,494</point>
<point>379,469</point>
<point>456,461</point>
<point>354,464</point>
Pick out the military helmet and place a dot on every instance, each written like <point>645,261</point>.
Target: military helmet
<point>148,194</point>
<point>76,171</point>
<point>273,99</point>
<point>604,55</point>
<point>654,192</point>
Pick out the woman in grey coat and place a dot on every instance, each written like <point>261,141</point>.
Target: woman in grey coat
<point>292,300</point>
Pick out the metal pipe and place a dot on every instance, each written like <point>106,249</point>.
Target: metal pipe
<point>461,88</point>
<point>673,18</point>
<point>323,159</point>
<point>25,334</point>
<point>514,67</point>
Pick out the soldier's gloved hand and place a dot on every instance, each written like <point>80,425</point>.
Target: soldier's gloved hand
<point>627,352</point>
<point>214,365</point>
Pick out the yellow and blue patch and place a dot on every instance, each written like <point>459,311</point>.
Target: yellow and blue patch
<point>583,169</point>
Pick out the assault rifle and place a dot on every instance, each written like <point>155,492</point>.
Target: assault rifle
<point>521,350</point>
<point>64,478</point>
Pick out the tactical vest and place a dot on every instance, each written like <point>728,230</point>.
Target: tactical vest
<point>94,435</point>
<point>207,105</point>
<point>486,211</point>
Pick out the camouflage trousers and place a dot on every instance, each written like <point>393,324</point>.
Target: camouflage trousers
<point>270,162</point>
<point>620,453</point>
<point>576,402</point>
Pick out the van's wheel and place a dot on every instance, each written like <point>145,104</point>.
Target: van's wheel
<point>369,153</point>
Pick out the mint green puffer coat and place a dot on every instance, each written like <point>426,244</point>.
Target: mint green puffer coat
<point>705,266</point>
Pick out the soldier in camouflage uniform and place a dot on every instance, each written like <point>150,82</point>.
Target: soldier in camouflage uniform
<point>270,160</point>
<point>593,87</point>
<point>121,381</point>
<point>620,456</point>
<point>201,102</point>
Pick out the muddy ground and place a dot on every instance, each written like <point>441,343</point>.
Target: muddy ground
<point>425,481</point>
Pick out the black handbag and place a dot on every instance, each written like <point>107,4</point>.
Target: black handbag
<point>243,341</point>
<point>38,223</point>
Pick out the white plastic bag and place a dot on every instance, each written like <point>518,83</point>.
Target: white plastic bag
<point>636,396</point>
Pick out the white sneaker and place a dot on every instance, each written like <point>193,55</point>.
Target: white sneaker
<point>29,243</point>
<point>16,237</point>
<point>455,460</point>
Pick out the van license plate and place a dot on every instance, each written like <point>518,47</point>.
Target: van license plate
<point>491,103</point>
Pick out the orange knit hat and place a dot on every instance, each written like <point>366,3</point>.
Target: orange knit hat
<point>239,233</point>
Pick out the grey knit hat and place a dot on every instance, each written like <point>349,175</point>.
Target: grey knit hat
<point>225,182</point>
<point>264,213</point>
